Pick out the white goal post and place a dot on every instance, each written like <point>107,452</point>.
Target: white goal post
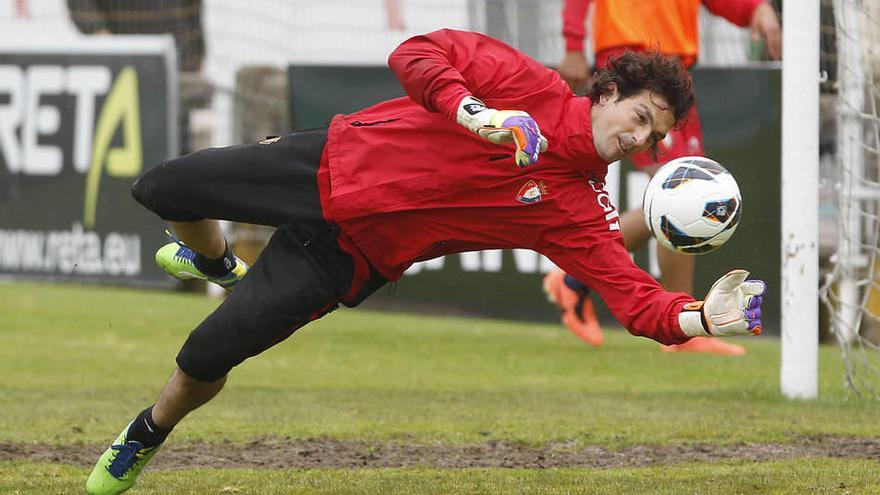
<point>849,165</point>
<point>800,204</point>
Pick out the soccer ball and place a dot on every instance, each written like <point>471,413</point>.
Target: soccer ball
<point>692,205</point>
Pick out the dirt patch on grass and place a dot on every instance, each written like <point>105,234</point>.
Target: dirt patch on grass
<point>329,453</point>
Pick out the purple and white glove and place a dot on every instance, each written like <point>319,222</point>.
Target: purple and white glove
<point>732,307</point>
<point>504,127</point>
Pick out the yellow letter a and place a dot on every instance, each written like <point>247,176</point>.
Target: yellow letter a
<point>122,107</point>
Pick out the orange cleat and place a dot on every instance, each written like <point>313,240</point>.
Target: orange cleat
<point>707,345</point>
<point>578,312</point>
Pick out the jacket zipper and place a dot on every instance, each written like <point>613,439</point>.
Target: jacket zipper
<point>358,123</point>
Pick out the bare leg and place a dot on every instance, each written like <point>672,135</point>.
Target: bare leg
<point>677,270</point>
<point>202,236</point>
<point>632,227</point>
<point>182,395</point>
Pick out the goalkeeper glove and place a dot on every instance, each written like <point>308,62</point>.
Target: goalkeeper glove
<point>503,127</point>
<point>732,307</point>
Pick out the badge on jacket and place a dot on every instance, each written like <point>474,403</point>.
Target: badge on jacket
<point>531,192</point>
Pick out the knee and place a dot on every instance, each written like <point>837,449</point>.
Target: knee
<point>161,189</point>
<point>191,383</point>
<point>206,358</point>
<point>150,188</point>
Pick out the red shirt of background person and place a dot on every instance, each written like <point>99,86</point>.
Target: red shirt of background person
<point>670,26</point>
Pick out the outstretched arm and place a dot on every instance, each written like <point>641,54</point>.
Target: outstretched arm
<point>732,306</point>
<point>454,72</point>
<point>638,302</point>
<point>438,69</point>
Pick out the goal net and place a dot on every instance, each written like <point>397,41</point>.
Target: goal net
<point>850,186</point>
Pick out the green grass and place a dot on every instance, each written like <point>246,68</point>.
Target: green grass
<point>828,476</point>
<point>78,362</point>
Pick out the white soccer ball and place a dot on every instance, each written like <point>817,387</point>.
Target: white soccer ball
<point>692,205</point>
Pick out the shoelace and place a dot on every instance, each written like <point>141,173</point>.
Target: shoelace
<point>126,458</point>
<point>172,237</point>
<point>184,253</point>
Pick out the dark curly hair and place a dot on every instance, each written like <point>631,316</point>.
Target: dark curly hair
<point>660,74</point>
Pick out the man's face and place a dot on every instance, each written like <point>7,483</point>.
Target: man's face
<point>623,127</point>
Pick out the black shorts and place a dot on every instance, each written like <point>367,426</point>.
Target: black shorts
<point>301,274</point>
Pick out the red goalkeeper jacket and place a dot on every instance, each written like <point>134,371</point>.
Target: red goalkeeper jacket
<point>406,183</point>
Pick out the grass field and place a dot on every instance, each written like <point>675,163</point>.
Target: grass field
<point>78,362</point>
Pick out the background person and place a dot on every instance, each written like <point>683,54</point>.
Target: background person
<point>672,28</point>
<point>180,18</point>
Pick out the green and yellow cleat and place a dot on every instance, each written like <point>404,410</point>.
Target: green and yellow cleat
<point>119,466</point>
<point>177,260</point>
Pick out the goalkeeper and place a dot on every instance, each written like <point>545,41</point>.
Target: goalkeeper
<point>490,150</point>
<point>671,27</point>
